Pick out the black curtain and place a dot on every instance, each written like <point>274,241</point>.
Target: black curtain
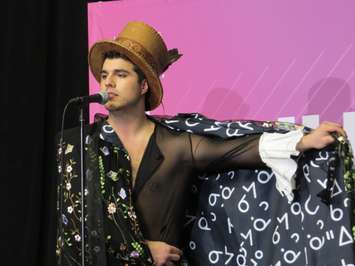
<point>43,50</point>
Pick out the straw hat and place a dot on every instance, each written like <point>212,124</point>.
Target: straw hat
<point>145,48</point>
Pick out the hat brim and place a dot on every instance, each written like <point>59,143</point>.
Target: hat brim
<point>96,61</point>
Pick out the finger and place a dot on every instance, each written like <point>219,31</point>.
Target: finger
<point>333,127</point>
<point>176,250</point>
<point>332,124</point>
<point>173,257</point>
<point>340,131</point>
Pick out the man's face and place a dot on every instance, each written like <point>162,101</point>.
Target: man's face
<point>120,81</point>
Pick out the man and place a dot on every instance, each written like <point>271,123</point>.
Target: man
<point>139,171</point>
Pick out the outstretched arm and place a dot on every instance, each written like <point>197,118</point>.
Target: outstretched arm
<point>214,154</point>
<point>269,149</point>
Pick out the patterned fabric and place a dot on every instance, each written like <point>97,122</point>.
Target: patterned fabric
<point>123,240</point>
<point>242,219</point>
<point>237,217</point>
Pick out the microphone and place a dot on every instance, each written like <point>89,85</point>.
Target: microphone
<point>101,98</point>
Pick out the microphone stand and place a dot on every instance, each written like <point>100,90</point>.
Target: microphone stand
<point>101,98</point>
<point>82,183</point>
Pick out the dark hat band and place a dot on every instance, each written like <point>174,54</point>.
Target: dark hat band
<point>141,51</point>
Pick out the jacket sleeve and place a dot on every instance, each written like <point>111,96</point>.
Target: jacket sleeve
<point>271,150</point>
<point>215,154</point>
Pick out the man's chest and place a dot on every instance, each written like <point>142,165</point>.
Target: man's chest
<point>136,150</point>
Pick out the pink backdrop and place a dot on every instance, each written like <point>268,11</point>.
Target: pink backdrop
<point>263,60</point>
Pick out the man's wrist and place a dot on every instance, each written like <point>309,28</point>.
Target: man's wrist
<point>300,146</point>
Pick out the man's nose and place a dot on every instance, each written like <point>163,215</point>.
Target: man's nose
<point>110,82</point>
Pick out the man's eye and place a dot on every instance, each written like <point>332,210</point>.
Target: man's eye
<point>121,75</point>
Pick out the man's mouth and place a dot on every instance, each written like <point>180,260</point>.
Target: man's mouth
<point>111,94</point>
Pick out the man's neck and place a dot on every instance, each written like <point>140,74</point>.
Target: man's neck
<point>129,123</point>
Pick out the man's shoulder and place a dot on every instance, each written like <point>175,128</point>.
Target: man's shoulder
<point>169,130</point>
<point>72,135</point>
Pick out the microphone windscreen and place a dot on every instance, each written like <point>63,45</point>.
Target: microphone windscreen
<point>104,97</point>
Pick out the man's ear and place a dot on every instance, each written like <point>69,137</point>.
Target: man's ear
<point>144,86</point>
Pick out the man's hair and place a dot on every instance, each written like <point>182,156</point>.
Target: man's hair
<point>115,54</point>
<point>141,76</point>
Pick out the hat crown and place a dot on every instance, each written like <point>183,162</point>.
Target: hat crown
<point>147,40</point>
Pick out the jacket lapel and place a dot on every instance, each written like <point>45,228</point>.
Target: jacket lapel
<point>150,162</point>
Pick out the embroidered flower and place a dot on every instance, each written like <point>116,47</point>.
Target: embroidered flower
<point>64,219</point>
<point>132,214</point>
<point>137,247</point>
<point>69,168</point>
<point>70,209</point>
<point>113,175</point>
<point>134,254</point>
<point>60,150</point>
<point>68,186</point>
<point>77,238</point>
<point>111,208</point>
<point>59,169</point>
<point>69,149</point>
<point>122,193</point>
<point>105,150</point>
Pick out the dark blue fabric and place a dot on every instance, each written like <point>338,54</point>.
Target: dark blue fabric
<point>241,219</point>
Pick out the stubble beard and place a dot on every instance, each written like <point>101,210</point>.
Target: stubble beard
<point>112,106</point>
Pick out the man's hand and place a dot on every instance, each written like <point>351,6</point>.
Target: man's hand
<point>164,254</point>
<point>320,137</point>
